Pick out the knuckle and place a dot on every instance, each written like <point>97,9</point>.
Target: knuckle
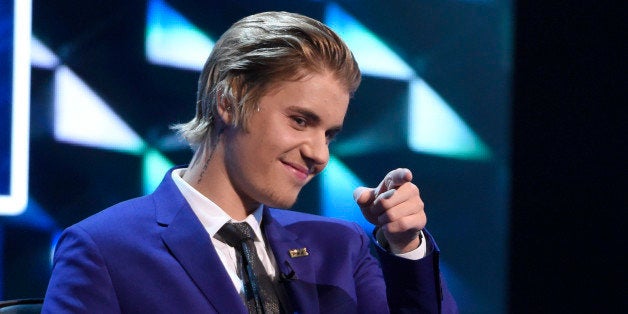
<point>414,188</point>
<point>386,203</point>
<point>405,223</point>
<point>392,215</point>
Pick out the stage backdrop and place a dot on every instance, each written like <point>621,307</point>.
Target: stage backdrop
<point>109,77</point>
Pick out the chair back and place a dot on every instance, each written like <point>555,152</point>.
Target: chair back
<point>21,306</point>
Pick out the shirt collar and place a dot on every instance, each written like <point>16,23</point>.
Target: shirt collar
<point>211,215</point>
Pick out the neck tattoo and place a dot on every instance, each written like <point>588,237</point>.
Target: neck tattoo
<point>200,177</point>
<point>212,149</point>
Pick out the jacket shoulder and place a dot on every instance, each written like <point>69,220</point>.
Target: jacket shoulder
<point>121,216</point>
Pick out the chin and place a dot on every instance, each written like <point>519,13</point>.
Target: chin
<point>278,198</point>
<point>282,204</point>
<point>285,202</point>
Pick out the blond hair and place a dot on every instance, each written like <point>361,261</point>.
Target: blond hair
<point>256,52</point>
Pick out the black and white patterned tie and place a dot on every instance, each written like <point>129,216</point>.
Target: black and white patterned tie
<point>259,292</point>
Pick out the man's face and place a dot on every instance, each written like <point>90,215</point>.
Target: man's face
<point>287,141</point>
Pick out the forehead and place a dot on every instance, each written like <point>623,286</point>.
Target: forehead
<point>320,93</point>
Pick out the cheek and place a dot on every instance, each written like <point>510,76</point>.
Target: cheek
<point>277,141</point>
<point>267,139</point>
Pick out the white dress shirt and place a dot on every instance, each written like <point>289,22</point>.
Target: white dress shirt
<point>213,218</point>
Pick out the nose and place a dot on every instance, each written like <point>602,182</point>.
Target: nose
<point>316,152</point>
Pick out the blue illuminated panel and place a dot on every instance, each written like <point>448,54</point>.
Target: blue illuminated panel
<point>171,40</point>
<point>6,59</point>
<point>14,104</point>
<point>83,118</point>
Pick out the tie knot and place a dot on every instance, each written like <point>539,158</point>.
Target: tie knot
<point>235,233</point>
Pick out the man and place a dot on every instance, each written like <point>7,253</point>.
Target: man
<point>272,96</point>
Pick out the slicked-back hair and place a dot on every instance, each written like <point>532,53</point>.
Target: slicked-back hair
<point>256,52</point>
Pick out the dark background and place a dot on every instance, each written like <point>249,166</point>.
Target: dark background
<point>568,249</point>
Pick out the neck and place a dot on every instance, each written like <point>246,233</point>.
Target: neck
<point>208,175</point>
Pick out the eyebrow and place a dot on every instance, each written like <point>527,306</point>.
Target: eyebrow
<point>313,117</point>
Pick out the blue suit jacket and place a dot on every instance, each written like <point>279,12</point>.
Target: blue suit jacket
<point>152,255</point>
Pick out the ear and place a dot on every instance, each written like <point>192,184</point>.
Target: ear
<point>226,112</point>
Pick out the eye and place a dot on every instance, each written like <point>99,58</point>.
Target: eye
<point>299,121</point>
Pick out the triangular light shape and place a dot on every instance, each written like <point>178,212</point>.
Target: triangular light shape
<point>171,40</point>
<point>434,128</point>
<point>153,168</point>
<point>337,185</point>
<point>83,118</point>
<point>372,54</point>
<point>42,56</point>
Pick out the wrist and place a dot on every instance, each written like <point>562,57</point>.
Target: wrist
<point>398,247</point>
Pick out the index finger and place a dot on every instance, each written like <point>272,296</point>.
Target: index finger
<point>393,180</point>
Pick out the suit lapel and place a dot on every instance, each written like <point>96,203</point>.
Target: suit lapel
<point>188,241</point>
<point>191,246</point>
<point>298,272</point>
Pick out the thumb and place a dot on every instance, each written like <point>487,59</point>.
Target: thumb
<point>363,195</point>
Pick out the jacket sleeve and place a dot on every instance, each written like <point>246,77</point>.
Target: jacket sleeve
<point>80,281</point>
<point>369,280</point>
<point>416,286</point>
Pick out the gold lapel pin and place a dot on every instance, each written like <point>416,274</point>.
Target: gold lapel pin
<point>298,252</point>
